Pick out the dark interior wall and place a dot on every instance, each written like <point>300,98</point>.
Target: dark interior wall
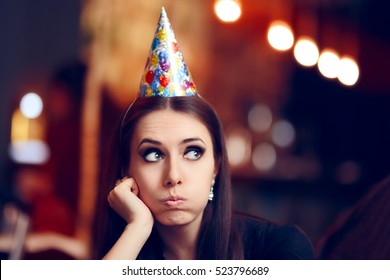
<point>35,37</point>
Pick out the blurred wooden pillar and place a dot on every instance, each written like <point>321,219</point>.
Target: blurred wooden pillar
<point>89,156</point>
<point>90,135</point>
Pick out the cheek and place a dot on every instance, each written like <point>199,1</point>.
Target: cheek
<point>148,180</point>
<point>208,170</point>
<point>148,189</point>
<point>200,177</point>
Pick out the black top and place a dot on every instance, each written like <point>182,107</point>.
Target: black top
<point>261,239</point>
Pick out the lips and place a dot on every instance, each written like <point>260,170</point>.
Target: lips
<point>173,201</point>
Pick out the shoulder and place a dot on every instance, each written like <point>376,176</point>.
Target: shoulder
<point>263,239</point>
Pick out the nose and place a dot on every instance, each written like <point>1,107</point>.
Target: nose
<point>172,175</point>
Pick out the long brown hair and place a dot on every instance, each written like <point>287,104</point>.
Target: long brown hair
<point>217,240</point>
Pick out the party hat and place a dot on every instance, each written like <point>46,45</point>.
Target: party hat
<point>166,73</point>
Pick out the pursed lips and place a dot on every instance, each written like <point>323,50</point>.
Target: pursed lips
<point>173,201</point>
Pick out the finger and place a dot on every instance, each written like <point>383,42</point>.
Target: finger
<point>133,185</point>
<point>117,182</point>
<point>124,178</point>
<point>129,184</point>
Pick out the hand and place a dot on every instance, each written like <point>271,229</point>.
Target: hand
<point>125,201</point>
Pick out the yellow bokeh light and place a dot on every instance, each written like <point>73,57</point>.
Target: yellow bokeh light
<point>329,63</point>
<point>348,71</point>
<point>280,36</point>
<point>238,142</point>
<point>306,52</point>
<point>227,10</point>
<point>19,127</point>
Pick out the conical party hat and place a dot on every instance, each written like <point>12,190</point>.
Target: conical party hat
<point>166,73</point>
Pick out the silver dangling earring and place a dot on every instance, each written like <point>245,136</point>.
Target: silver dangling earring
<point>211,193</point>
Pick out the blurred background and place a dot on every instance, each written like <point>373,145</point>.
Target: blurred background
<point>302,88</point>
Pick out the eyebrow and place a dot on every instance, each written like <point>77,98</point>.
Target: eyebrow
<point>194,139</point>
<point>184,141</point>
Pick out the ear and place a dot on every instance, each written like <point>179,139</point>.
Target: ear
<point>216,170</point>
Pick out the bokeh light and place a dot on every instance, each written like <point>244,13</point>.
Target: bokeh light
<point>264,157</point>
<point>329,63</point>
<point>227,10</point>
<point>280,36</point>
<point>348,172</point>
<point>239,143</point>
<point>306,52</point>
<point>283,133</point>
<point>348,71</point>
<point>29,152</point>
<point>260,118</point>
<point>31,105</point>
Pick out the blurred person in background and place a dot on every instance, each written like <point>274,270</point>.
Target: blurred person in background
<point>50,231</point>
<point>64,102</point>
<point>362,232</point>
<point>49,212</point>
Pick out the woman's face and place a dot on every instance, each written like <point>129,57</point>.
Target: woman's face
<point>172,161</point>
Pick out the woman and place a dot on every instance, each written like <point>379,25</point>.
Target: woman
<point>174,198</point>
<point>172,150</point>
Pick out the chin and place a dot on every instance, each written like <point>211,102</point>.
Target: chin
<point>175,218</point>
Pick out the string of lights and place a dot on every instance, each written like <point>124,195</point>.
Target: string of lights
<point>280,35</point>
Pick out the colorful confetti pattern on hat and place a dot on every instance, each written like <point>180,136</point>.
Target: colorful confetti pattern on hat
<point>166,73</point>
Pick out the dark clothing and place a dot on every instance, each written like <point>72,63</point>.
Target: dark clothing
<point>261,240</point>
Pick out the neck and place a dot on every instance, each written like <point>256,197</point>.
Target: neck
<point>179,241</point>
